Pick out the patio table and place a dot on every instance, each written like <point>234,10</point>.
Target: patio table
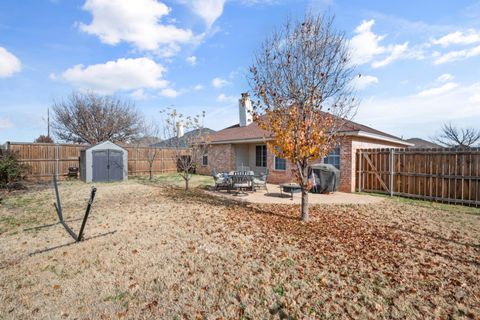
<point>290,188</point>
<point>242,180</point>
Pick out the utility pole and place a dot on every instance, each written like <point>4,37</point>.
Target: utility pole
<point>48,122</point>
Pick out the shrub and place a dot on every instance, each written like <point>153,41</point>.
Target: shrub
<point>11,169</point>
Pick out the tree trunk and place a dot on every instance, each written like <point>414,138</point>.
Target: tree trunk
<point>186,183</point>
<point>151,173</point>
<point>304,204</point>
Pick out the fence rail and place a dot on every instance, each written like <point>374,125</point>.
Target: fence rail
<point>444,175</point>
<point>47,159</point>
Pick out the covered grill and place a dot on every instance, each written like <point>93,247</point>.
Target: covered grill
<point>324,177</point>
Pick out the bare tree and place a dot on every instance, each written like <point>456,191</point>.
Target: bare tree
<point>92,118</point>
<point>302,78</point>
<point>150,136</point>
<point>454,137</point>
<point>188,148</point>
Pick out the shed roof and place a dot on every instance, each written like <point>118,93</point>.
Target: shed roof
<point>105,145</point>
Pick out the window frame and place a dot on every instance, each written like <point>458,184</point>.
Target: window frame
<point>275,164</point>
<point>263,156</point>
<point>205,163</point>
<point>333,155</point>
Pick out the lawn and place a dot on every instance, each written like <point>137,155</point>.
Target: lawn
<point>154,251</point>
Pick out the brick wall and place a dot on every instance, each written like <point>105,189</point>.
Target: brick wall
<point>278,176</point>
<point>221,157</point>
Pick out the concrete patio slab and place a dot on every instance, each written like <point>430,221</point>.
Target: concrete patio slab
<point>274,196</point>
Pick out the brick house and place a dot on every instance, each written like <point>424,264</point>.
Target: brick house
<point>243,144</point>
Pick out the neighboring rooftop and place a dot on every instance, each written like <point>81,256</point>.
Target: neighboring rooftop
<point>181,142</point>
<point>421,143</point>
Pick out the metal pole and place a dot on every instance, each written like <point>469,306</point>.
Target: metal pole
<point>58,205</point>
<point>87,212</point>
<point>392,168</point>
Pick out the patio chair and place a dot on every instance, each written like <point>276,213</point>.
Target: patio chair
<point>261,181</point>
<point>222,181</point>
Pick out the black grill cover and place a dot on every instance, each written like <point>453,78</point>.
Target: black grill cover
<point>324,177</point>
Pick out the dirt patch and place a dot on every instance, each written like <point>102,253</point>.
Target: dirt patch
<point>156,252</point>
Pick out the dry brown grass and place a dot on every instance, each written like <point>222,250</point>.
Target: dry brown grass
<point>156,252</point>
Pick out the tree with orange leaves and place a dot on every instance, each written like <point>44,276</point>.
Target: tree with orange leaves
<point>302,78</point>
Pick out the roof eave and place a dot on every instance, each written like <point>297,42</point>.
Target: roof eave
<point>250,140</point>
<point>357,133</point>
<point>363,134</point>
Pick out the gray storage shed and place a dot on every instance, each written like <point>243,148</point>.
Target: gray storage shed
<point>104,162</point>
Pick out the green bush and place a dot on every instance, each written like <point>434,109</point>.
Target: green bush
<point>11,169</point>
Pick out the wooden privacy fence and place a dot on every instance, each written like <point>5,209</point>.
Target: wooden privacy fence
<point>47,159</point>
<point>444,175</point>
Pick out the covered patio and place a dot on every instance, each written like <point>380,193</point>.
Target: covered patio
<point>275,196</point>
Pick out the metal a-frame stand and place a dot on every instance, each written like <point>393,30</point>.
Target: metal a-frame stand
<point>58,208</point>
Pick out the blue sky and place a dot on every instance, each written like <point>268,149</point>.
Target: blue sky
<point>420,60</point>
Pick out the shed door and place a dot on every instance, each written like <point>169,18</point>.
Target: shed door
<point>115,161</point>
<point>100,165</point>
<point>107,165</point>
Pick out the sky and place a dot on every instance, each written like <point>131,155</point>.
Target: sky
<point>419,60</point>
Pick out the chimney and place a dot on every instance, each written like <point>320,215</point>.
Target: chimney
<point>245,110</point>
<point>179,129</point>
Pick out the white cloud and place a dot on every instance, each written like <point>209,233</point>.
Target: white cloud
<point>139,94</point>
<point>396,52</point>
<point>208,10</point>
<point>198,87</point>
<point>121,74</point>
<point>9,64</point>
<point>445,77</point>
<point>458,37</point>
<point>458,55</point>
<point>365,44</point>
<point>438,90</point>
<point>421,115</point>
<point>475,99</point>
<point>219,82</point>
<point>170,93</point>
<point>365,47</point>
<point>362,82</point>
<point>136,22</point>
<point>192,60</point>
<point>229,99</point>
<point>5,123</point>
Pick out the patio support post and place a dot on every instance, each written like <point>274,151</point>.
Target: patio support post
<point>360,176</point>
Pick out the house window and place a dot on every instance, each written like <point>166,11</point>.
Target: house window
<point>333,158</point>
<point>261,156</point>
<point>205,160</point>
<point>280,163</point>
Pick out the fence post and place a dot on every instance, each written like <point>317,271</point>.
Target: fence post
<point>360,175</point>
<point>392,168</point>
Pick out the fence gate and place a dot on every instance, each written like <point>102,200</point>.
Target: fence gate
<point>444,175</point>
